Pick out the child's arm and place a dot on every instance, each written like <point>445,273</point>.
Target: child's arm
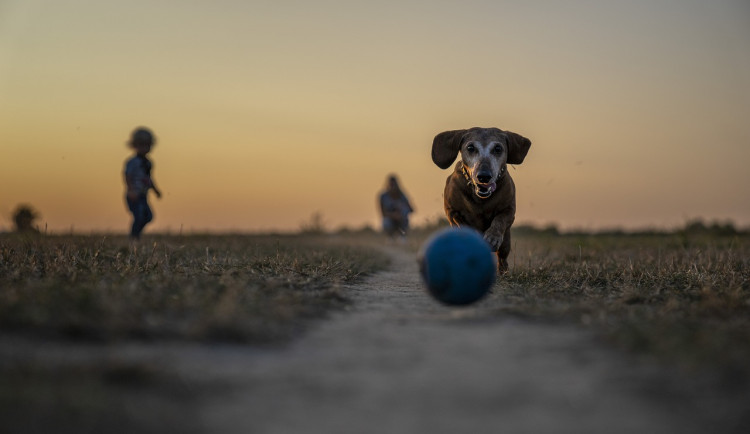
<point>156,190</point>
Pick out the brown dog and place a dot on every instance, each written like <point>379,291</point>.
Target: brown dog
<point>480,192</point>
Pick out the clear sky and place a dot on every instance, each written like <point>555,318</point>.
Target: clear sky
<point>269,111</point>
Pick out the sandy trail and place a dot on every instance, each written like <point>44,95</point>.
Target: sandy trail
<point>398,362</point>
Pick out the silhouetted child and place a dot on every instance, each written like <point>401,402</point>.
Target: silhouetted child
<point>138,180</point>
<point>395,209</point>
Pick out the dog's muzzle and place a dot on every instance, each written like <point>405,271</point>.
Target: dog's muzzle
<point>483,190</point>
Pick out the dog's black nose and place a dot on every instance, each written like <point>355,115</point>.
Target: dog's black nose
<point>484,177</point>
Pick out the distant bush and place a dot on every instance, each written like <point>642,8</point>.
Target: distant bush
<point>347,230</point>
<point>715,228</point>
<point>314,226</point>
<point>693,228</point>
<point>24,217</point>
<point>527,229</point>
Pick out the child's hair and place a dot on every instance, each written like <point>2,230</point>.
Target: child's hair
<point>142,136</point>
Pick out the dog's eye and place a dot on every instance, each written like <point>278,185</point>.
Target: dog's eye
<point>470,147</point>
<point>498,149</point>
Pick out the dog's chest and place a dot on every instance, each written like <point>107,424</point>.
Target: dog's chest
<point>472,210</point>
<point>478,216</point>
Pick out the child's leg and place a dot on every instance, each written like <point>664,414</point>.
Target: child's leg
<point>133,207</point>
<point>147,214</point>
<point>141,215</point>
<point>403,224</point>
<point>389,226</point>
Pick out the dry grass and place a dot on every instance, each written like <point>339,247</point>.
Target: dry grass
<point>680,297</point>
<point>255,290</point>
<point>239,288</point>
<point>683,298</point>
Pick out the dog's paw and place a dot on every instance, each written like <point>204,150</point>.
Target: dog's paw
<point>493,240</point>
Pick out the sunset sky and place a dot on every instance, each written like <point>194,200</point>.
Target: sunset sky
<point>269,111</point>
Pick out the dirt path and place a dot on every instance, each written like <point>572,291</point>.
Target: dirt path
<point>398,362</point>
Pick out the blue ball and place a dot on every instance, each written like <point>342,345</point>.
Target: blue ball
<point>457,266</point>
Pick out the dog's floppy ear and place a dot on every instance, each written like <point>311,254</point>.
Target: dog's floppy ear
<point>445,147</point>
<point>518,147</point>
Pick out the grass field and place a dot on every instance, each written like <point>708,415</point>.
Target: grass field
<point>684,298</point>
<point>74,292</point>
<point>239,288</point>
<point>681,298</point>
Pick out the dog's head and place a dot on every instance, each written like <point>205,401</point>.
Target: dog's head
<point>484,153</point>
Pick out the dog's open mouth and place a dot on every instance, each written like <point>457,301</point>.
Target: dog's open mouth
<point>485,190</point>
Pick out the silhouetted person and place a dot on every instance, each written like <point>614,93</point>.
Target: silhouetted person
<point>24,219</point>
<point>395,209</point>
<point>139,181</point>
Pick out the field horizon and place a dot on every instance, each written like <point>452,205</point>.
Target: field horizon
<point>316,224</point>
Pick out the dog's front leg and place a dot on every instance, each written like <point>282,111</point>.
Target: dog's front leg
<point>495,234</point>
<point>498,236</point>
<point>455,218</point>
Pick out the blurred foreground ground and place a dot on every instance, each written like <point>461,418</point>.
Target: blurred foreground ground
<point>391,360</point>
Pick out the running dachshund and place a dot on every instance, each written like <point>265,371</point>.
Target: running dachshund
<point>480,192</point>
